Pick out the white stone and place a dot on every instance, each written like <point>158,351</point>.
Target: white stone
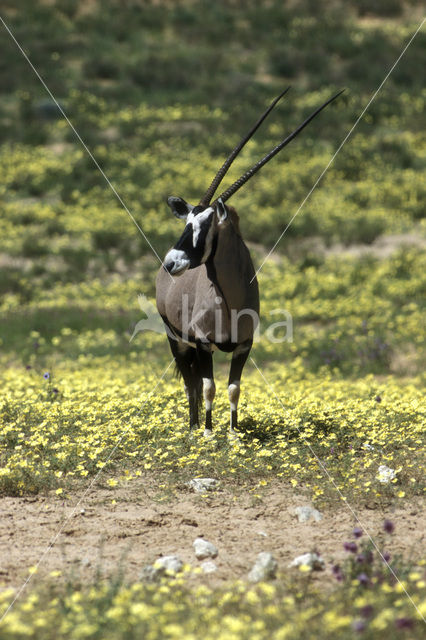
<point>385,474</point>
<point>204,549</point>
<point>201,485</point>
<point>306,513</point>
<point>172,564</point>
<point>312,560</point>
<point>209,566</point>
<point>166,564</point>
<point>264,568</point>
<point>150,573</point>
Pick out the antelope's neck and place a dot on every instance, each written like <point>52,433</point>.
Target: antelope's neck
<point>233,270</point>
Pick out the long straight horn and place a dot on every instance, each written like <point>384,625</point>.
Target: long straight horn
<point>244,178</point>
<point>230,159</point>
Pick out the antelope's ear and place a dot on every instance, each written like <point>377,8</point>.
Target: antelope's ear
<point>221,211</point>
<point>179,207</point>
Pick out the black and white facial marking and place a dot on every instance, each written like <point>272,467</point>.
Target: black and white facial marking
<point>195,244</point>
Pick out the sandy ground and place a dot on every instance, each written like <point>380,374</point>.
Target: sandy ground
<point>138,529</point>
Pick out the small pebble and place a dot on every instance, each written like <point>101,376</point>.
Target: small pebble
<point>201,485</point>
<point>385,474</point>
<point>169,564</point>
<point>306,513</point>
<point>312,560</point>
<point>173,564</point>
<point>150,573</point>
<point>209,566</point>
<point>264,568</point>
<point>204,549</point>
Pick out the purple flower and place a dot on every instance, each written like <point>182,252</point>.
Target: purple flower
<point>28,367</point>
<point>352,547</point>
<point>388,526</point>
<point>404,623</point>
<point>332,450</point>
<point>337,572</point>
<point>358,625</point>
<point>378,399</point>
<point>360,558</point>
<point>55,390</point>
<point>386,556</point>
<point>366,611</point>
<point>363,579</point>
<point>46,376</point>
<point>357,532</point>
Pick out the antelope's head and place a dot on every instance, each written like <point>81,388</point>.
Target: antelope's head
<point>203,221</point>
<point>195,245</point>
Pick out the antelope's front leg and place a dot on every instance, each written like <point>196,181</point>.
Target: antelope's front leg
<point>239,358</point>
<point>205,367</point>
<point>185,357</point>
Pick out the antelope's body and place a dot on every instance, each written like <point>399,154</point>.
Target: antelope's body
<point>207,292</point>
<point>212,306</point>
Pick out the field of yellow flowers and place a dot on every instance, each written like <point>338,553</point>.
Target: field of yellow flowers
<point>332,414</point>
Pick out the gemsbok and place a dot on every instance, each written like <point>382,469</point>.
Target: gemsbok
<point>207,291</point>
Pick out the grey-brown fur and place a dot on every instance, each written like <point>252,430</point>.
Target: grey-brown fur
<point>217,298</point>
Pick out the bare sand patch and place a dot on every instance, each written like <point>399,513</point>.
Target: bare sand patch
<point>138,528</point>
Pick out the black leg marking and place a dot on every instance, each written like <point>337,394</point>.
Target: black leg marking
<point>205,370</point>
<point>186,362</point>
<point>208,426</point>
<point>239,358</point>
<point>234,419</point>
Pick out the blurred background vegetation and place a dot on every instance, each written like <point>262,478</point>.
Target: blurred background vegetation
<point>160,91</point>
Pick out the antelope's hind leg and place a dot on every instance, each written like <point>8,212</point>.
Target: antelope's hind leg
<point>205,370</point>
<point>239,358</point>
<point>185,358</point>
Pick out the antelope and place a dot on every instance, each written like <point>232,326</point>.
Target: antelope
<point>207,291</point>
